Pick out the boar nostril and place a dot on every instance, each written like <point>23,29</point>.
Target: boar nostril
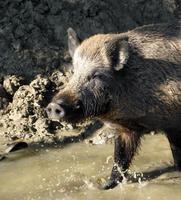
<point>58,111</point>
<point>49,110</point>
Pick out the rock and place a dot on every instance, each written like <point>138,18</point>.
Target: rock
<point>40,84</point>
<point>15,146</point>
<point>12,83</point>
<point>42,126</point>
<point>23,102</point>
<point>58,79</point>
<point>102,136</point>
<point>11,147</point>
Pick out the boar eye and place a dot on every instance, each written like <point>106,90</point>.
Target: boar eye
<point>89,78</point>
<point>97,75</point>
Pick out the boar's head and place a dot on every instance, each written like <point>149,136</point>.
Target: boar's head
<point>92,88</point>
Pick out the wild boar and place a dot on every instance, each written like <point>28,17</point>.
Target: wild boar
<point>132,81</point>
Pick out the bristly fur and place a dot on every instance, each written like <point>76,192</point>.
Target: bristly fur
<point>132,80</point>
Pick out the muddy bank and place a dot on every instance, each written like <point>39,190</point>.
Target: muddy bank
<point>23,105</point>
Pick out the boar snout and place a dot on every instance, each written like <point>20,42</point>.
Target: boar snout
<point>64,110</point>
<point>55,111</point>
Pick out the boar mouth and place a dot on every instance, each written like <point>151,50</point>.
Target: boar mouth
<point>94,110</point>
<point>95,103</point>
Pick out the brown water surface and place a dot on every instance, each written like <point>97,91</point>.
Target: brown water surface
<point>76,171</point>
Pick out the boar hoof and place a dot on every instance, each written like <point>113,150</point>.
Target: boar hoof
<point>111,183</point>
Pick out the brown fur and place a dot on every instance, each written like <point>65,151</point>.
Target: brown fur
<point>132,81</point>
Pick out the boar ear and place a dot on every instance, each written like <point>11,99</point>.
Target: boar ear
<point>73,41</point>
<point>117,52</point>
<point>123,55</point>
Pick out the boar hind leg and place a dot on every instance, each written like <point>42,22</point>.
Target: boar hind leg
<point>175,144</point>
<point>126,144</point>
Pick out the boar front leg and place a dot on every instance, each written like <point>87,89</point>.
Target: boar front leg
<point>126,144</point>
<point>174,138</point>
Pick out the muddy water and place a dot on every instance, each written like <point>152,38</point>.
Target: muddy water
<point>76,171</point>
